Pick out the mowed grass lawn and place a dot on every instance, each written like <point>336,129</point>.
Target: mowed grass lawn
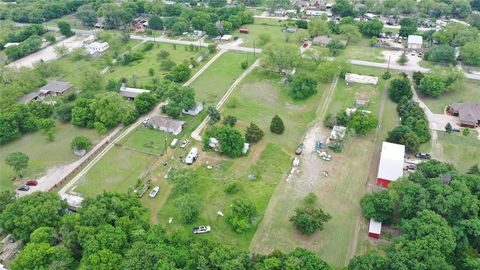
<point>275,32</point>
<point>117,171</point>
<point>454,148</point>
<point>212,84</point>
<point>469,92</point>
<point>363,51</point>
<point>148,140</point>
<point>139,69</point>
<point>42,153</point>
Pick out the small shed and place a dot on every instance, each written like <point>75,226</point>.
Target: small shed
<point>195,110</point>
<point>374,229</point>
<point>415,42</point>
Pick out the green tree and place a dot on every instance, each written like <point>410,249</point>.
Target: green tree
<point>308,219</point>
<point>180,73</point>
<point>253,133</point>
<point>43,235</point>
<point>277,126</point>
<point>18,161</point>
<point>217,3</point>
<point>404,135</point>
<point>155,23</point>
<point>335,46</point>
<point>400,88</point>
<point>368,261</point>
<point>34,254</point>
<point>101,260</point>
<point>379,206</point>
<point>343,8</point>
<point>432,85</point>
<point>362,122</point>
<point>81,143</point>
<point>263,39</point>
<point>403,59</point>
<point>144,103</point>
<point>471,53</point>
<point>211,30</point>
<point>444,54</point>
<point>350,32</point>
<point>371,28</point>
<point>65,29</point>
<point>302,87</point>
<point>189,208</point>
<point>311,198</point>
<point>448,128</point>
<point>466,132</point>
<point>408,26</point>
<point>279,56</point>
<point>6,197</point>
<point>214,115</point>
<point>240,214</point>
<point>230,120</point>
<point>86,15</point>
<point>179,98</point>
<point>28,213</point>
<point>317,27</point>
<point>231,141</point>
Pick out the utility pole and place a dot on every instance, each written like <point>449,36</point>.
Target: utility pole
<point>254,47</point>
<point>388,67</point>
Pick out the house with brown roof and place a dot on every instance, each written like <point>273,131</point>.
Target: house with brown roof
<point>468,113</point>
<point>53,88</point>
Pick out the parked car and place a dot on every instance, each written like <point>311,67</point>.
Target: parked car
<point>423,155</point>
<point>31,183</point>
<point>201,229</point>
<point>299,149</point>
<point>154,192</point>
<point>184,143</point>
<point>23,188</point>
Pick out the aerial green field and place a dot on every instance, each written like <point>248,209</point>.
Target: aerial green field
<point>212,84</point>
<point>468,92</point>
<point>148,140</point>
<point>42,153</point>
<point>275,32</point>
<point>364,52</point>
<point>117,171</point>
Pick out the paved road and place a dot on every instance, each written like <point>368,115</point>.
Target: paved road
<point>55,29</point>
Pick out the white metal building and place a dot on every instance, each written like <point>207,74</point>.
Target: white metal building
<point>391,163</point>
<point>96,47</point>
<point>415,42</point>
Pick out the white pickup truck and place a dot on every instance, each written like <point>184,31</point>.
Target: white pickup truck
<point>201,229</point>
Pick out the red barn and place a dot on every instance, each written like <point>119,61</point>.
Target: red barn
<point>391,163</point>
<point>374,229</point>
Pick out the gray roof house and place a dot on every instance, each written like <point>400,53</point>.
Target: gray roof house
<point>468,113</point>
<point>131,93</point>
<point>321,40</point>
<point>166,124</point>
<point>53,88</point>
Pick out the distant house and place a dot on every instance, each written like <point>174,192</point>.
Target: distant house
<point>374,229</point>
<point>414,42</point>
<point>96,47</point>
<point>468,113</point>
<point>314,12</point>
<point>321,40</point>
<point>166,124</point>
<point>195,110</point>
<point>53,88</point>
<point>130,92</point>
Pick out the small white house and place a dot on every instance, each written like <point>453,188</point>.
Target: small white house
<point>166,124</point>
<point>195,110</point>
<point>96,47</point>
<point>415,42</point>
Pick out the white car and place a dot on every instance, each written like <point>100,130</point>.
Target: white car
<point>184,143</point>
<point>154,192</point>
<point>201,229</point>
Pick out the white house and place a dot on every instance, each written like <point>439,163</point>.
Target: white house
<point>391,163</point>
<point>356,78</point>
<point>415,42</point>
<point>166,124</point>
<point>96,47</point>
<point>195,110</point>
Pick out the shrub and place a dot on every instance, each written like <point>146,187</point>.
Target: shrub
<point>233,188</point>
<point>311,198</point>
<point>230,120</point>
<point>302,87</point>
<point>253,133</point>
<point>80,143</point>
<point>276,126</point>
<point>189,208</point>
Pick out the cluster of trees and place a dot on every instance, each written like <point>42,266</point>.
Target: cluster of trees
<point>435,84</point>
<point>240,215</point>
<point>38,11</point>
<point>436,209</point>
<point>19,119</point>
<point>102,111</point>
<point>230,139</point>
<point>308,219</point>
<point>413,129</point>
<point>26,47</point>
<point>358,122</point>
<point>302,87</point>
<point>184,194</point>
<point>23,33</point>
<point>111,231</point>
